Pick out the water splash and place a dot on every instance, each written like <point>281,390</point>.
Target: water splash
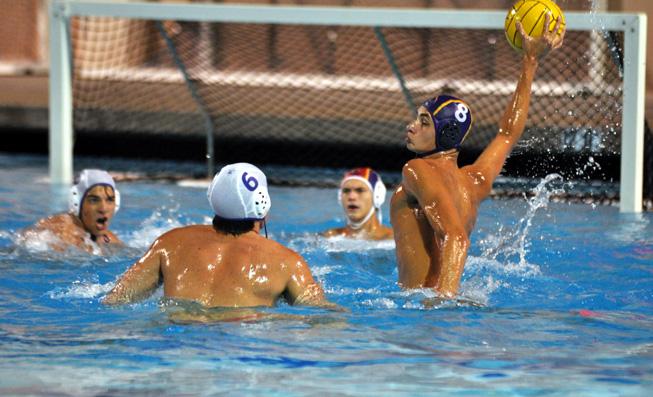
<point>45,241</point>
<point>344,244</point>
<point>162,220</point>
<point>513,242</point>
<point>5,235</point>
<point>311,242</point>
<point>81,289</point>
<point>321,271</point>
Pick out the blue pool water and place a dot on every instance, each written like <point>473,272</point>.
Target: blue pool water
<point>562,305</point>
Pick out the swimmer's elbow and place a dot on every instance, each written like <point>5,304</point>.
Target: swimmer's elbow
<point>457,239</point>
<point>460,239</point>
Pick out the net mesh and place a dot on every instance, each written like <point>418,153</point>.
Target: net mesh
<point>339,96</point>
<point>20,22</point>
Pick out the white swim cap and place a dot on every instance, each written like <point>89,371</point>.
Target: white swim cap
<point>240,192</point>
<point>87,180</point>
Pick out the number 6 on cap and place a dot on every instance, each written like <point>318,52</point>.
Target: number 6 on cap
<point>250,183</point>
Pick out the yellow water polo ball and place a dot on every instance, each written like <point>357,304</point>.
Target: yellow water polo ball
<point>531,14</point>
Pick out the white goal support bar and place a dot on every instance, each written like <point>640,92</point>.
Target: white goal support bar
<point>633,27</point>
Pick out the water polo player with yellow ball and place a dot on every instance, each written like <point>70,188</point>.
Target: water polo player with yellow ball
<point>434,209</point>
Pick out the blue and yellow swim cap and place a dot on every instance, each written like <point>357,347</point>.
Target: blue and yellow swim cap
<point>452,119</point>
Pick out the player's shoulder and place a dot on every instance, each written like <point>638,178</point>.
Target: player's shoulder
<point>185,232</point>
<point>277,250</point>
<point>417,169</point>
<point>387,233</point>
<point>418,165</point>
<point>336,231</point>
<point>57,220</point>
<point>63,217</point>
<point>414,163</point>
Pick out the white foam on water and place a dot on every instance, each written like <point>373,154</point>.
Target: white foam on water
<point>162,220</point>
<point>385,303</point>
<point>194,183</point>
<point>479,289</point>
<point>345,244</point>
<point>351,291</point>
<point>81,289</point>
<point>523,269</point>
<point>37,241</point>
<point>319,271</point>
<point>40,241</point>
<point>312,242</point>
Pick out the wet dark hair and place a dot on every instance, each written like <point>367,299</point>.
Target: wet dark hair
<point>234,227</point>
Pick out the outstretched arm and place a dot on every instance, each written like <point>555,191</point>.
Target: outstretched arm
<point>512,124</point>
<point>139,281</point>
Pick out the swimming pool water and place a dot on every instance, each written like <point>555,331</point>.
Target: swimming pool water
<point>562,305</point>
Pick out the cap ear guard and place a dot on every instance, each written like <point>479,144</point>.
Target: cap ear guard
<point>448,136</point>
<point>74,200</point>
<point>379,193</point>
<point>117,198</point>
<point>261,203</point>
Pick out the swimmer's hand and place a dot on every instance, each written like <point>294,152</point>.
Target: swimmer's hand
<point>321,303</point>
<point>538,47</point>
<point>333,307</point>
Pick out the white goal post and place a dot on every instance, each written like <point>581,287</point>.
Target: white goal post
<point>633,27</point>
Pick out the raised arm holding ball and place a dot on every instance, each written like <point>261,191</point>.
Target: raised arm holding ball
<point>435,208</point>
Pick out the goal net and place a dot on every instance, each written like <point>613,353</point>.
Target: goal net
<point>337,94</point>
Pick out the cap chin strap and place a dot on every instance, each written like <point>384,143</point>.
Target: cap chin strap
<point>430,152</point>
<point>434,151</point>
<point>358,225</point>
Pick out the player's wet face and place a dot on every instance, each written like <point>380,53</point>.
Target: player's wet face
<point>98,208</point>
<point>420,134</point>
<point>356,199</point>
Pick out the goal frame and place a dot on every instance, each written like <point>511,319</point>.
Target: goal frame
<point>633,26</point>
